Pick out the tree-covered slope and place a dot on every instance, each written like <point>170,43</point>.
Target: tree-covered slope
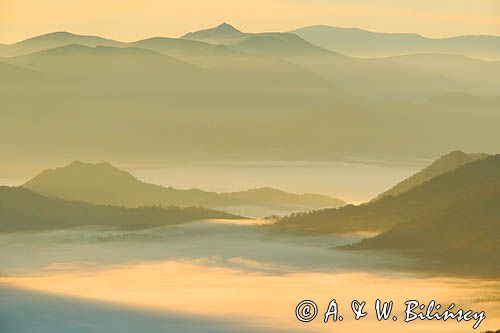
<point>440,166</point>
<point>24,210</point>
<point>425,202</point>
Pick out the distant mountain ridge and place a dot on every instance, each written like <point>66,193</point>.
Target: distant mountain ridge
<point>55,39</point>
<point>161,85</point>
<point>271,196</point>
<point>259,58</point>
<point>362,43</point>
<point>265,43</point>
<point>192,65</point>
<point>199,48</point>
<point>352,42</point>
<point>349,41</point>
<point>103,183</point>
<point>223,34</point>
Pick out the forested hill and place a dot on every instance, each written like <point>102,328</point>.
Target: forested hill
<point>24,210</point>
<point>442,165</point>
<point>431,201</point>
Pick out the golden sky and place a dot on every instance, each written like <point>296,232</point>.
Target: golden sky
<point>133,19</point>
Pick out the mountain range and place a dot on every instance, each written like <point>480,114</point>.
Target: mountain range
<point>104,184</point>
<point>256,96</point>
<point>352,42</point>
<point>213,48</point>
<point>225,44</point>
<point>362,43</point>
<point>53,40</point>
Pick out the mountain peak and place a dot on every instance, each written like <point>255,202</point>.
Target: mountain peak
<point>82,172</point>
<point>222,33</point>
<point>226,27</point>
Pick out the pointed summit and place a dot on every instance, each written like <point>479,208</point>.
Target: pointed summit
<point>221,34</point>
<point>227,28</point>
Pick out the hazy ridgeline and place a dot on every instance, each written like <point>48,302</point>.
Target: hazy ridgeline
<point>361,43</point>
<point>257,96</point>
<point>23,210</point>
<point>104,184</point>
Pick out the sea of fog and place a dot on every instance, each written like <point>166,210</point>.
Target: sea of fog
<point>239,244</point>
<point>209,276</point>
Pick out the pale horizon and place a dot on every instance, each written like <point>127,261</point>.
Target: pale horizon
<point>24,19</point>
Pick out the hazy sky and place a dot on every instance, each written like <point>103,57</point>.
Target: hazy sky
<point>134,19</point>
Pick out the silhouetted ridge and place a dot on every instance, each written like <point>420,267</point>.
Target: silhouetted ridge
<point>362,43</point>
<point>269,195</point>
<point>23,210</point>
<point>103,183</point>
<point>53,40</point>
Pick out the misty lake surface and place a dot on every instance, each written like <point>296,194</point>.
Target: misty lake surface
<point>210,276</point>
